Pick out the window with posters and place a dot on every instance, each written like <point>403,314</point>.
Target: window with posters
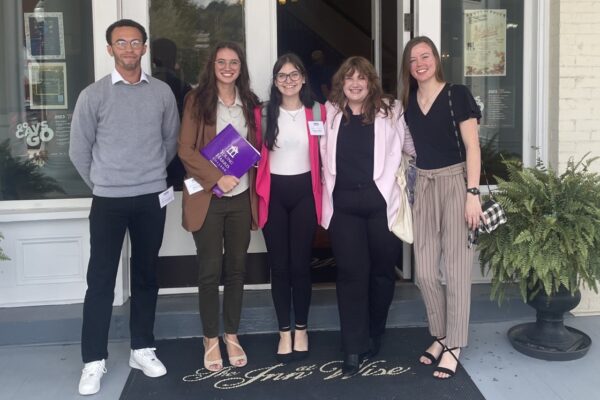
<point>50,45</point>
<point>485,52</point>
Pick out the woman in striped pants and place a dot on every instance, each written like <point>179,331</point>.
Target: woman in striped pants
<point>447,203</point>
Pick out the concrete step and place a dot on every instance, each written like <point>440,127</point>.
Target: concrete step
<point>177,315</point>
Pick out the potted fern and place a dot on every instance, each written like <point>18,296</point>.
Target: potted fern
<point>3,257</point>
<point>549,247</point>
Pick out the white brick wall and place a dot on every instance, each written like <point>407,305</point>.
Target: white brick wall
<point>579,79</point>
<point>579,95</point>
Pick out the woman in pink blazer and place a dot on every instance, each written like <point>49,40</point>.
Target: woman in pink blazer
<point>361,152</point>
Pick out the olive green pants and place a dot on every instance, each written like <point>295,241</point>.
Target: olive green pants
<point>221,248</point>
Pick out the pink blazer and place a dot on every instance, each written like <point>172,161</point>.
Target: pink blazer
<point>391,139</point>
<point>263,176</point>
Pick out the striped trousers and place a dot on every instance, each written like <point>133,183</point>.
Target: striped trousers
<point>440,234</point>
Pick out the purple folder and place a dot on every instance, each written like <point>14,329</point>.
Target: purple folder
<point>230,153</point>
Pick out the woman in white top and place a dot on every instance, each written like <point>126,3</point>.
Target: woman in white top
<point>288,186</point>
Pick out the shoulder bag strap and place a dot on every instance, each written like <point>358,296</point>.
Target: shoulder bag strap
<point>455,124</point>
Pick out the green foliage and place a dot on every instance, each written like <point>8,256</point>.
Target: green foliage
<point>552,236</point>
<point>23,178</point>
<point>3,257</point>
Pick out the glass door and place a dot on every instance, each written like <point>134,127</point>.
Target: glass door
<point>372,29</point>
<point>496,48</point>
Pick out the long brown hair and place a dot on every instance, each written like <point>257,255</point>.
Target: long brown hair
<point>375,101</point>
<point>206,94</point>
<point>408,82</point>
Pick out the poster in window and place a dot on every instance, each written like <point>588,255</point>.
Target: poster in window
<point>485,42</point>
<point>48,86</point>
<point>44,36</point>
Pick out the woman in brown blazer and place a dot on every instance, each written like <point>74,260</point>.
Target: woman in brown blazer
<point>222,97</point>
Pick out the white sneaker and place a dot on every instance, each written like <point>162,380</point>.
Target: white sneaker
<point>146,360</point>
<point>90,377</point>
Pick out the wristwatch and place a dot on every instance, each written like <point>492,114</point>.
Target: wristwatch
<point>474,190</point>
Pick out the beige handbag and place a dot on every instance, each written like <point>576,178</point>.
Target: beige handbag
<point>402,226</point>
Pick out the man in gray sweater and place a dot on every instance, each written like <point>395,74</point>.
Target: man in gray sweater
<point>123,136</point>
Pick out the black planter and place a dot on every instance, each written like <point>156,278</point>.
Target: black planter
<point>548,338</point>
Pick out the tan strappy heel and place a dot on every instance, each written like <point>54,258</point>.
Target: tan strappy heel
<point>211,365</point>
<point>236,361</point>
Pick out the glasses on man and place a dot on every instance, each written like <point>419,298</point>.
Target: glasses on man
<point>122,44</point>
<point>221,63</point>
<point>294,76</point>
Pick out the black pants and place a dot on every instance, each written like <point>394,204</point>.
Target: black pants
<point>289,233</point>
<point>109,219</point>
<point>365,252</point>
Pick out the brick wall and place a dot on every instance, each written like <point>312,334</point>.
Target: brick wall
<point>578,78</point>
<point>579,94</point>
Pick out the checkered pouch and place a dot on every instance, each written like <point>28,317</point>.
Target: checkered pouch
<point>493,216</point>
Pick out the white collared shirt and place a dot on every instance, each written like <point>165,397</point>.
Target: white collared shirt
<point>233,115</point>
<point>116,77</point>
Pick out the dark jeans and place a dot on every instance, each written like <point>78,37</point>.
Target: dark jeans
<point>289,233</point>
<point>366,253</point>
<point>109,220</point>
<point>227,226</point>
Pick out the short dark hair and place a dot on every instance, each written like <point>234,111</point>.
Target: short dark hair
<point>125,22</point>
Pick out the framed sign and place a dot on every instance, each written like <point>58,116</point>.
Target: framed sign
<point>48,86</point>
<point>44,36</point>
<point>485,43</point>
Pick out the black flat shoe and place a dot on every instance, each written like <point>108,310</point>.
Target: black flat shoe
<point>351,364</point>
<point>374,346</point>
<point>285,358</point>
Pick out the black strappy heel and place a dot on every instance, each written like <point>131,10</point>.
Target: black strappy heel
<point>430,356</point>
<point>443,370</point>
<point>300,354</point>
<point>284,358</point>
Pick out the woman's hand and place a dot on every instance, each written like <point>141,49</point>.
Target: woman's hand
<point>227,182</point>
<point>473,211</point>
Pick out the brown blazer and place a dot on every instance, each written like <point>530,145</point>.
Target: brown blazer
<point>193,136</point>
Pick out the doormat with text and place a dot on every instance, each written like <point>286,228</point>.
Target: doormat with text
<point>394,374</point>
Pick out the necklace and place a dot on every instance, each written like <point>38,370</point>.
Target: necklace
<point>426,102</point>
<point>292,115</point>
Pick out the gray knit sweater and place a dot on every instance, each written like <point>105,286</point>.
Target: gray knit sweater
<point>124,136</point>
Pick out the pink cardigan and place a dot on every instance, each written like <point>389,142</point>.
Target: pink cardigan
<point>263,176</point>
<point>391,139</point>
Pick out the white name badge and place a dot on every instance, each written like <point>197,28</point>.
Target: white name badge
<point>192,185</point>
<point>316,128</point>
<point>166,197</point>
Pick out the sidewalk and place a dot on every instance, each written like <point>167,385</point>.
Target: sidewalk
<point>50,368</point>
<point>51,372</point>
